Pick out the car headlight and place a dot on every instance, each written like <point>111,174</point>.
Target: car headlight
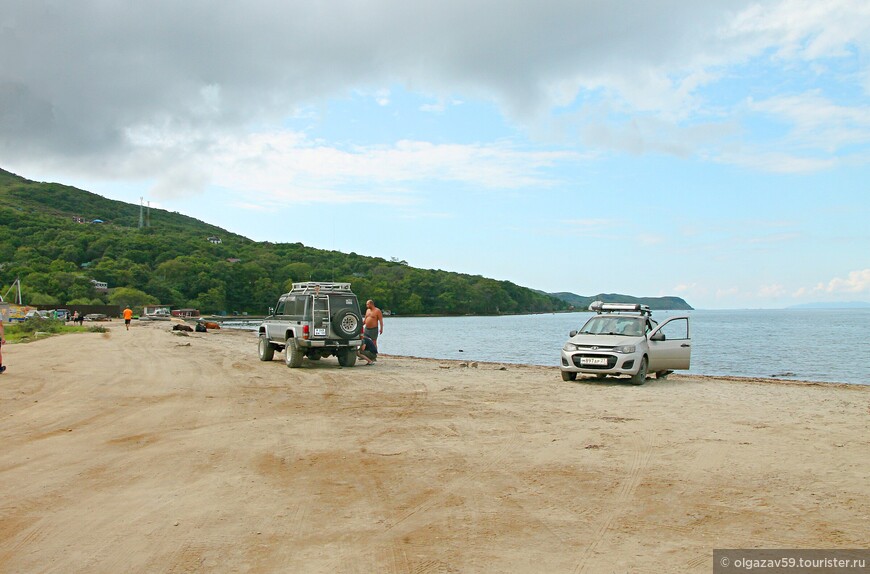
<point>569,347</point>
<point>625,349</point>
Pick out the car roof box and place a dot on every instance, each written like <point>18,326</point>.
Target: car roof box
<point>602,307</point>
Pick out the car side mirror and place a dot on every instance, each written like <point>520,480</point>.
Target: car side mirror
<point>572,333</point>
<point>271,310</point>
<point>658,336</point>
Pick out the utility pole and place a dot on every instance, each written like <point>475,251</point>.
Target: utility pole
<point>141,223</point>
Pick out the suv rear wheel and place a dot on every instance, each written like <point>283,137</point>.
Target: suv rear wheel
<point>346,358</point>
<point>292,353</point>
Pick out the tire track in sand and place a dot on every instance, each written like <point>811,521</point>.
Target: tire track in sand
<point>643,448</point>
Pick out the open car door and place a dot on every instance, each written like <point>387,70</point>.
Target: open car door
<point>670,345</point>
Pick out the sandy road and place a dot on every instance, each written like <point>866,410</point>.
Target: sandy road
<point>144,451</point>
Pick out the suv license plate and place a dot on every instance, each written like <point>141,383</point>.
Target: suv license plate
<point>321,332</point>
<point>593,360</point>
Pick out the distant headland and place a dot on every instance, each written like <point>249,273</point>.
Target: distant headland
<point>655,303</point>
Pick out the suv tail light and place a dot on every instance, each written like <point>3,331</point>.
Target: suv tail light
<point>305,331</point>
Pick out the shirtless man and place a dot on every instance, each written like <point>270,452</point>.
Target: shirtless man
<point>373,319</point>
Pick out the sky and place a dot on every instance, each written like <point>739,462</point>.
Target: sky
<point>717,151</point>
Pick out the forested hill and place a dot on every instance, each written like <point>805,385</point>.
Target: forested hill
<point>48,240</point>
<point>655,303</point>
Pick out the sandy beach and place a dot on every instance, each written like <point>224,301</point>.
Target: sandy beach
<point>146,451</point>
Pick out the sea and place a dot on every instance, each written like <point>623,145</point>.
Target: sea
<point>822,345</point>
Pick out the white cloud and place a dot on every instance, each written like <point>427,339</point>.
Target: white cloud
<point>382,97</point>
<point>776,162</point>
<point>685,287</point>
<point>287,165</point>
<point>800,292</point>
<point>855,282</point>
<point>772,290</point>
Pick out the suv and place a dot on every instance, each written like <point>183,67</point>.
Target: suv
<point>623,339</point>
<point>313,320</point>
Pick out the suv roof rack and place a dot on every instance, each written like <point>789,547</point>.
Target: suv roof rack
<point>602,307</point>
<point>309,286</point>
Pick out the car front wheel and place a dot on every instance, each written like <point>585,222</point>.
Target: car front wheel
<point>265,349</point>
<point>640,377</point>
<point>569,376</point>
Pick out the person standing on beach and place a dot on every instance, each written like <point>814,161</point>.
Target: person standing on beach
<point>373,319</point>
<point>2,342</point>
<point>128,316</point>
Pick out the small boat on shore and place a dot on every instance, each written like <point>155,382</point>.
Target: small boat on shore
<point>186,313</point>
<point>150,313</point>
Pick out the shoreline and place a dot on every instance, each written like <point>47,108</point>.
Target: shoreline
<point>487,339</point>
<point>149,451</point>
<point>676,376</point>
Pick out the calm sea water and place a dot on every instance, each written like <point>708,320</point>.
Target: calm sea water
<point>826,345</point>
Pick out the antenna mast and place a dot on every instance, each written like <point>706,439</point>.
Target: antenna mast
<point>15,283</point>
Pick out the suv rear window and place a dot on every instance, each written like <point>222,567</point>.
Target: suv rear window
<point>338,301</point>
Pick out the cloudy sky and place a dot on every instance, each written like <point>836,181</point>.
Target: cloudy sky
<point>717,150</point>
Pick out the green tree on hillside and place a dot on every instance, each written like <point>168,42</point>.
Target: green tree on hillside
<point>173,263</point>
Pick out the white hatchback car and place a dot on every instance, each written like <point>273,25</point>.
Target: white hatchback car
<point>623,339</point>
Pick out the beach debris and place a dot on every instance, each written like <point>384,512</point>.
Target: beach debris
<point>474,365</point>
<point>183,344</point>
<point>784,374</point>
<point>617,419</point>
<point>593,446</point>
<point>463,365</point>
<point>180,334</point>
<point>502,368</point>
<point>186,328</point>
<point>443,366</point>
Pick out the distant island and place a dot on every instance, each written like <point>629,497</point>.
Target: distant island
<point>655,303</point>
<point>834,305</point>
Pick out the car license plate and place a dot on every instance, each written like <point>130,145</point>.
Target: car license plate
<point>320,332</point>
<point>597,361</point>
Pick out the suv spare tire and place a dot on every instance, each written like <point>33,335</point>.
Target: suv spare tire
<point>346,323</point>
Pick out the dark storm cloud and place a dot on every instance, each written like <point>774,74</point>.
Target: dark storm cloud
<point>75,77</point>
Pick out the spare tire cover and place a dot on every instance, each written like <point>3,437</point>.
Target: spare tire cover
<point>346,323</point>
